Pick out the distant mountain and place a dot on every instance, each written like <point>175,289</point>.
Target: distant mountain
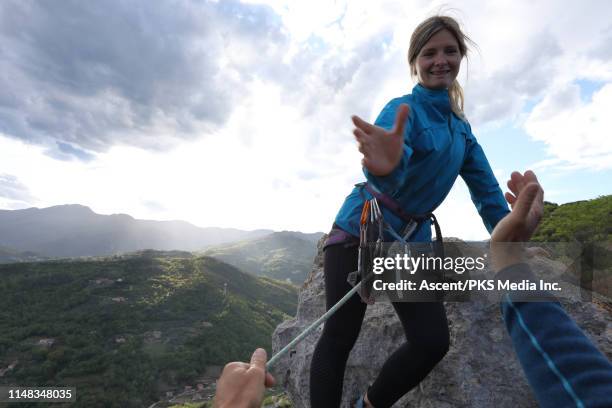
<point>124,330</point>
<point>311,237</point>
<point>75,230</point>
<point>283,255</point>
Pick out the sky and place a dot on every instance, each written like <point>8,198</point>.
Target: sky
<point>237,114</point>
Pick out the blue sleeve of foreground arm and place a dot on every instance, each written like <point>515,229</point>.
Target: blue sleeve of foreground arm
<point>484,188</point>
<point>386,120</point>
<point>562,366</point>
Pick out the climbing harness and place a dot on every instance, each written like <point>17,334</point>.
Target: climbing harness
<point>372,228</point>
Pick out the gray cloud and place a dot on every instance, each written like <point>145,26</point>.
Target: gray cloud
<point>82,76</point>
<point>603,50</point>
<point>344,78</point>
<point>64,151</point>
<point>339,75</point>
<point>13,189</point>
<point>526,76</point>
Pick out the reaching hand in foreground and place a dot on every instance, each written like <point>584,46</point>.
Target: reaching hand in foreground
<point>382,149</point>
<point>527,201</point>
<point>242,385</point>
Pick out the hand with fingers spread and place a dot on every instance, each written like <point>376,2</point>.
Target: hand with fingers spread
<point>242,385</point>
<point>527,201</point>
<point>382,149</point>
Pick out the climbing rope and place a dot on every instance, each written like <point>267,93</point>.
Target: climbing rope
<point>371,217</point>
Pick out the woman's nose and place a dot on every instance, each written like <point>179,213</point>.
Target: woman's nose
<point>440,59</point>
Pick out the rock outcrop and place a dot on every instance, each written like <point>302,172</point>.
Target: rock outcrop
<point>480,370</point>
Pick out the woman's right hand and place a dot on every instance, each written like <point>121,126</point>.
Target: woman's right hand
<point>527,201</point>
<point>382,149</point>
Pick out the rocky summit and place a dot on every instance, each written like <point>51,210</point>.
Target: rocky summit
<point>480,369</point>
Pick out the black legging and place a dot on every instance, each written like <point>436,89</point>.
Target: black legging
<point>424,324</point>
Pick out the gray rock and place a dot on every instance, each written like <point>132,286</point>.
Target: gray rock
<point>480,370</point>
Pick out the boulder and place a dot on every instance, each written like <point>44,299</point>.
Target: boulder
<point>480,369</point>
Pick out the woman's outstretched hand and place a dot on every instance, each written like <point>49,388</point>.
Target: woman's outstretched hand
<point>382,149</point>
<point>527,201</point>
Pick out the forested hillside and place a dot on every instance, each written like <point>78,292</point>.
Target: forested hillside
<point>123,330</point>
<point>283,255</point>
<point>588,225</point>
<point>583,221</point>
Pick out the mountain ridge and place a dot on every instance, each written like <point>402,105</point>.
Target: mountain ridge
<point>73,230</point>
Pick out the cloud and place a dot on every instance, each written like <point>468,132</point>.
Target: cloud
<point>80,78</point>
<point>13,189</point>
<point>527,50</point>
<point>576,132</point>
<point>85,76</point>
<point>603,49</point>
<point>65,151</point>
<point>501,95</point>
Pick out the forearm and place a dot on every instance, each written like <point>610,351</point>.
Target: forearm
<point>562,365</point>
<point>484,188</point>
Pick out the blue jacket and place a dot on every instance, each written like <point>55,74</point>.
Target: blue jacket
<point>438,146</point>
<point>563,367</point>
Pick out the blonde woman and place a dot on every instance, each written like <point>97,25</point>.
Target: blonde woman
<point>413,152</point>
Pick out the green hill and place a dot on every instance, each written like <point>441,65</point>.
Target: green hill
<point>284,255</point>
<point>583,221</point>
<point>588,224</point>
<point>125,329</point>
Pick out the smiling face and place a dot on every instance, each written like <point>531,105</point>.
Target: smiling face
<point>437,63</point>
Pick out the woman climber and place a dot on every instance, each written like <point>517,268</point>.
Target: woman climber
<point>413,152</point>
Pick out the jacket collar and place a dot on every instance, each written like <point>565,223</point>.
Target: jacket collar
<point>437,97</point>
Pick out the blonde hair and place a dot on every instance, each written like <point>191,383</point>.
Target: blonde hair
<point>419,38</point>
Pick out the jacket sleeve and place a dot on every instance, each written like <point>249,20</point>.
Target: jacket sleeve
<point>484,189</point>
<point>561,364</point>
<point>386,119</point>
